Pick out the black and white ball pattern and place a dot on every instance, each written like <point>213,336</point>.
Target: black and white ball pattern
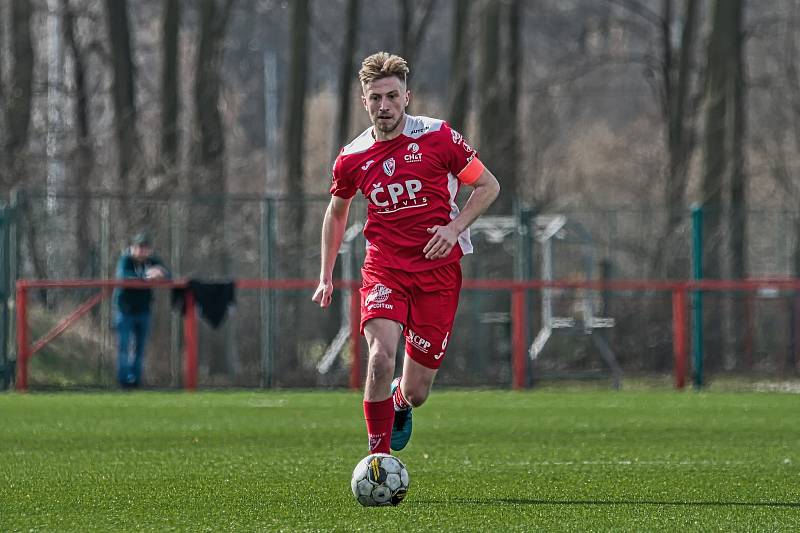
<point>379,479</point>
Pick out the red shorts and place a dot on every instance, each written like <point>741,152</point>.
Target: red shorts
<point>424,303</point>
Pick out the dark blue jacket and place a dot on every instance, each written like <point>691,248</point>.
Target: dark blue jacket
<point>134,301</point>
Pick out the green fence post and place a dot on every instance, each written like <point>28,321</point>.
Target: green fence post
<point>14,220</point>
<point>697,295</point>
<point>524,269</point>
<point>267,296</point>
<point>5,286</point>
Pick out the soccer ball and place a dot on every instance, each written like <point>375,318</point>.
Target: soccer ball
<point>379,479</point>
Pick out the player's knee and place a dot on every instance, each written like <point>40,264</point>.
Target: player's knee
<point>381,359</point>
<point>382,352</point>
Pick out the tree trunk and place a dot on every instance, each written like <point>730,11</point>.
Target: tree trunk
<point>4,178</point>
<point>346,76</point>
<point>19,94</point>
<point>406,19</point>
<point>678,116</point>
<point>19,98</point>
<point>681,136</point>
<point>510,137</point>
<point>719,69</point>
<point>293,211</point>
<point>211,141</point>
<point>124,97</point>
<point>124,91</point>
<point>169,91</point>
<point>738,173</point>
<point>207,224</point>
<point>490,109</point>
<point>792,46</point>
<point>85,154</point>
<point>459,65</point>
<point>294,121</point>
<point>737,108</point>
<point>413,26</point>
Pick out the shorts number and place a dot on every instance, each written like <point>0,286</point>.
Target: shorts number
<point>444,345</point>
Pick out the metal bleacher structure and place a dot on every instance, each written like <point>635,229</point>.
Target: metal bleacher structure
<point>549,230</point>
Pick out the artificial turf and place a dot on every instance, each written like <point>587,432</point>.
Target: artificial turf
<point>478,460</point>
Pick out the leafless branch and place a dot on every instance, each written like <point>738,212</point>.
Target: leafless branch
<point>586,68</point>
<point>639,9</point>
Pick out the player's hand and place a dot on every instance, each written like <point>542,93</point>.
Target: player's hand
<point>322,295</point>
<point>442,242</point>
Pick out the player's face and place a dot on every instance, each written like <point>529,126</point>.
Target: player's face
<point>385,100</point>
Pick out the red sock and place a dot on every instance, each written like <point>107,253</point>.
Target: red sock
<point>380,417</point>
<point>400,402</point>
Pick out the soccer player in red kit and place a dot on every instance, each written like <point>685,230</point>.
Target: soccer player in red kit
<point>409,169</point>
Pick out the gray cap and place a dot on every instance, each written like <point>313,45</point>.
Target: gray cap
<point>142,239</point>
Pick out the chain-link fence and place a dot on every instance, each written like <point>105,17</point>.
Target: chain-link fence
<point>6,290</point>
<point>277,338</point>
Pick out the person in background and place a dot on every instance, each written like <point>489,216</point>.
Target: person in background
<point>132,307</point>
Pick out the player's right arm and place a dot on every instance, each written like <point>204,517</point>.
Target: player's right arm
<point>333,228</point>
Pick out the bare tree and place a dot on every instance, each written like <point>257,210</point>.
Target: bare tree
<point>294,118</point>
<point>671,73</point>
<point>671,78</point>
<point>459,65</point>
<point>169,89</point>
<point>510,131</point>
<point>415,16</point>
<point>720,67</point>
<point>210,152</point>
<point>789,58</point>
<point>3,9</point>
<point>208,184</point>
<point>19,98</point>
<point>20,92</point>
<point>85,158</point>
<point>737,237</point>
<point>490,112</point>
<point>124,97</point>
<point>714,173</point>
<point>720,97</point>
<point>679,111</point>
<point>738,173</point>
<point>346,75</point>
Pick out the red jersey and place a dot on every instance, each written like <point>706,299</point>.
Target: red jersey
<point>410,184</point>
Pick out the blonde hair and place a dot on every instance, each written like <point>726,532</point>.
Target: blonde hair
<point>382,65</point>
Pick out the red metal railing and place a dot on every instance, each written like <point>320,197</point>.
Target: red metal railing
<point>190,340</point>
<point>679,337</point>
<point>678,289</point>
<point>25,350</point>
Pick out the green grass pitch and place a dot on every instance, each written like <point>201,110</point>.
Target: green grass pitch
<point>479,461</point>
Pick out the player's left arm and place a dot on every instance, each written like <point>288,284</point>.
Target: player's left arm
<point>486,189</point>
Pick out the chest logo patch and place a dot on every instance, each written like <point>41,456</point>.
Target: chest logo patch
<point>388,166</point>
<point>413,155</point>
